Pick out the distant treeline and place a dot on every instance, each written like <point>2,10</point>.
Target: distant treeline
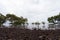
<point>21,21</point>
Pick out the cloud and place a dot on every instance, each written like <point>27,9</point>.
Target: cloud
<point>34,10</point>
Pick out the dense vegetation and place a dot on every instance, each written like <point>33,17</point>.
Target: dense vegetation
<point>15,20</point>
<point>53,19</point>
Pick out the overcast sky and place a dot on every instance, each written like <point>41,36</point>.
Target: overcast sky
<point>34,10</point>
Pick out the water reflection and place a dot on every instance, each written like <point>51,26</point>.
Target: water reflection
<point>47,26</point>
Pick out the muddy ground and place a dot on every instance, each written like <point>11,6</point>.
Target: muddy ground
<point>25,34</point>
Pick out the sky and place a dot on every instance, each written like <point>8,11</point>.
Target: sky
<point>34,10</point>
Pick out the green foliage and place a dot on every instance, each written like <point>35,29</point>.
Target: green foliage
<point>53,19</point>
<point>2,19</point>
<point>15,20</point>
<point>37,23</point>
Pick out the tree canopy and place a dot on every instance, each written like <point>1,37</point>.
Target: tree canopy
<point>53,19</point>
<point>2,19</point>
<point>15,20</point>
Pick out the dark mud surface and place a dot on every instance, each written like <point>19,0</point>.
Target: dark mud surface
<point>25,34</point>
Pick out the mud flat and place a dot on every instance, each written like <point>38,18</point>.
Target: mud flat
<point>25,34</point>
